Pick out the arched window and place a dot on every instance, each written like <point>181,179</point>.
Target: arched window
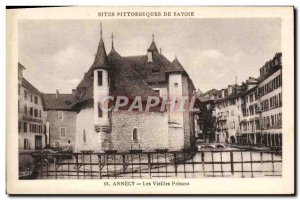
<point>135,135</point>
<point>84,137</point>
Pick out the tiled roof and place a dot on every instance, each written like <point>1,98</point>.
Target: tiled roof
<point>153,72</point>
<point>30,87</point>
<point>59,101</point>
<point>129,76</point>
<point>125,80</point>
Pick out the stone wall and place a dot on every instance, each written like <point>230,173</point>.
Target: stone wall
<point>152,128</point>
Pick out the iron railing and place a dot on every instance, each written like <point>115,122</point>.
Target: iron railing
<point>159,164</point>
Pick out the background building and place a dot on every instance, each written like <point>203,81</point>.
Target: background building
<point>60,120</point>
<point>31,115</point>
<point>250,114</point>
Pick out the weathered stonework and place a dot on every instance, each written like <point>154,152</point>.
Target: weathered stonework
<point>152,130</point>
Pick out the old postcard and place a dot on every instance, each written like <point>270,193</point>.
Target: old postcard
<point>150,100</point>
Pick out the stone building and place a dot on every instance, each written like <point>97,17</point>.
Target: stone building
<point>31,115</point>
<point>60,120</point>
<point>92,122</point>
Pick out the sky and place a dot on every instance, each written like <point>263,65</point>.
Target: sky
<point>57,53</point>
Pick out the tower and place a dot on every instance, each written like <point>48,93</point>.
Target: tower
<point>179,116</point>
<point>101,85</point>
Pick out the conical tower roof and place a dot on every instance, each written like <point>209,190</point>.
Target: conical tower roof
<point>101,56</point>
<point>176,67</point>
<point>153,45</point>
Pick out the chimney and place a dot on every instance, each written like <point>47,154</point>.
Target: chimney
<point>74,92</point>
<point>57,93</point>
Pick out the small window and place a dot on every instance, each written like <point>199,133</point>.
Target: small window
<point>31,111</point>
<point>62,131</point>
<point>135,137</point>
<point>157,92</point>
<point>20,126</point>
<point>100,78</point>
<point>84,137</point>
<point>25,127</point>
<point>69,141</point>
<point>36,100</point>
<point>25,110</point>
<point>31,98</point>
<point>19,89</point>
<point>25,94</point>
<point>26,144</point>
<point>60,115</point>
<point>175,84</point>
<point>36,113</point>
<point>100,112</point>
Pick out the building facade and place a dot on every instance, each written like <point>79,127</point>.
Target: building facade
<point>228,114</point>
<point>31,124</point>
<point>207,119</point>
<point>251,114</point>
<point>263,107</point>
<point>60,120</point>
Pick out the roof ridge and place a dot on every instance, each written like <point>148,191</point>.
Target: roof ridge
<point>37,90</point>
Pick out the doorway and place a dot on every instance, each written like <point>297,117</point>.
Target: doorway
<point>38,142</point>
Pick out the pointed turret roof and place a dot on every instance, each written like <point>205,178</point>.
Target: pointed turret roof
<point>101,57</point>
<point>153,45</point>
<point>176,67</point>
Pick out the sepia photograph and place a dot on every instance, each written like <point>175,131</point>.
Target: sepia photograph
<point>151,98</point>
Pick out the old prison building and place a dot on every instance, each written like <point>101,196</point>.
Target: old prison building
<point>87,123</point>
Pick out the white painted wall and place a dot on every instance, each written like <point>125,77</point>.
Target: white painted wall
<point>175,93</point>
<point>85,121</point>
